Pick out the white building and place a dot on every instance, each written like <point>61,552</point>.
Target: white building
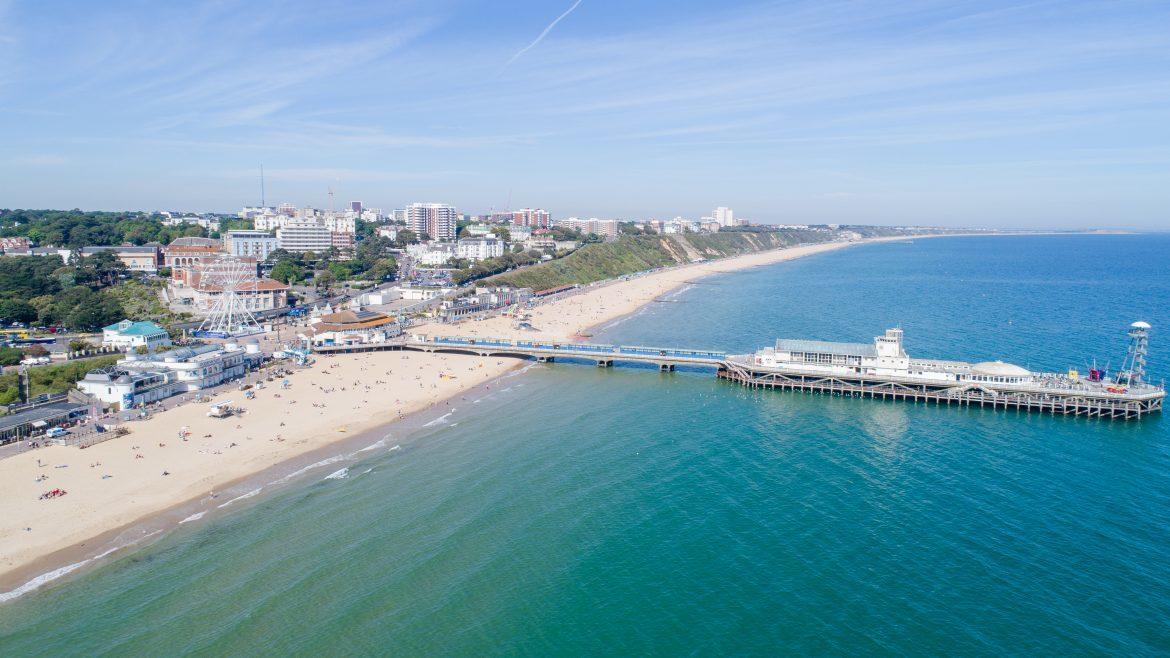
<point>724,216</point>
<point>477,230</point>
<point>301,235</point>
<point>128,334</point>
<point>437,220</point>
<point>477,249</point>
<point>341,222</point>
<point>352,327</point>
<point>258,244</point>
<point>269,221</point>
<point>421,293</point>
<point>209,223</point>
<point>431,254</point>
<point>603,227</point>
<point>139,379</point>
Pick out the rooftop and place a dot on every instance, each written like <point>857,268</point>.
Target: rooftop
<point>131,328</point>
<point>126,249</point>
<point>826,347</point>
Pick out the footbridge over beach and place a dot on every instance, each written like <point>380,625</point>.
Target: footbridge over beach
<point>666,358</point>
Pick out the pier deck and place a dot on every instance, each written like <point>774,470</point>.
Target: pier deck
<point>1086,400</point>
<point>666,358</point>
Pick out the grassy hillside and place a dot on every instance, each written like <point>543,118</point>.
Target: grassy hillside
<point>593,262</point>
<point>630,254</point>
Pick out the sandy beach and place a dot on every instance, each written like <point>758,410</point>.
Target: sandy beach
<point>125,480</point>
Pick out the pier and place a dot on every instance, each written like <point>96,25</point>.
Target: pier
<point>1039,392</point>
<point>1091,402</point>
<point>666,358</point>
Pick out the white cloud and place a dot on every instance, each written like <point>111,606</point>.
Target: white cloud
<point>542,35</point>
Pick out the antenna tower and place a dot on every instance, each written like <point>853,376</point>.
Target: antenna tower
<point>262,205</point>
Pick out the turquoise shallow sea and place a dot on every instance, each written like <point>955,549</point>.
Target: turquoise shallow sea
<point>576,510</point>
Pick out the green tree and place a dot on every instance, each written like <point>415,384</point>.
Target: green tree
<point>287,271</point>
<point>79,346</point>
<point>101,269</point>
<point>324,280</point>
<point>17,310</point>
<point>383,269</point>
<point>10,356</point>
<point>405,237</point>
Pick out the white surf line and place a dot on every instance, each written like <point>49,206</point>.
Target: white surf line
<point>50,576</point>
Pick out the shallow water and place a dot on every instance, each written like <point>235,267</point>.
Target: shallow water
<point>626,511</point>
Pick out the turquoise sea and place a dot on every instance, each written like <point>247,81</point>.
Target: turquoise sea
<point>576,510</point>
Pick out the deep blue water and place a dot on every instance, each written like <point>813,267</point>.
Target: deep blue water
<point>623,511</point>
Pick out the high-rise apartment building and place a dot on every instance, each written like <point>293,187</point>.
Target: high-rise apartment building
<point>724,216</point>
<point>530,217</point>
<point>302,235</point>
<point>437,220</point>
<point>258,244</point>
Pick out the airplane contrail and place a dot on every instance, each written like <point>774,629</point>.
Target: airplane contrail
<point>542,35</point>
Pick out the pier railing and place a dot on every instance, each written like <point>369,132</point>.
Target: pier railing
<point>543,350</point>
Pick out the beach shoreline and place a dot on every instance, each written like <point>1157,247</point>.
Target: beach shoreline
<point>23,569</point>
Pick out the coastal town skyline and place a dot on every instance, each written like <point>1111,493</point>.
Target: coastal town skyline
<point>955,114</point>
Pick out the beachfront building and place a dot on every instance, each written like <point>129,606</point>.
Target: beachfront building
<point>31,419</point>
<point>436,220</point>
<point>422,293</point>
<point>136,259</point>
<point>483,301</point>
<point>144,379</point>
<point>352,327</point>
<point>128,334</point>
<point>256,244</point>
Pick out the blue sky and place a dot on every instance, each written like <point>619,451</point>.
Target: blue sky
<point>956,113</point>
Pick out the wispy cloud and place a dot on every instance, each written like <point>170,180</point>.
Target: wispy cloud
<point>541,36</point>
